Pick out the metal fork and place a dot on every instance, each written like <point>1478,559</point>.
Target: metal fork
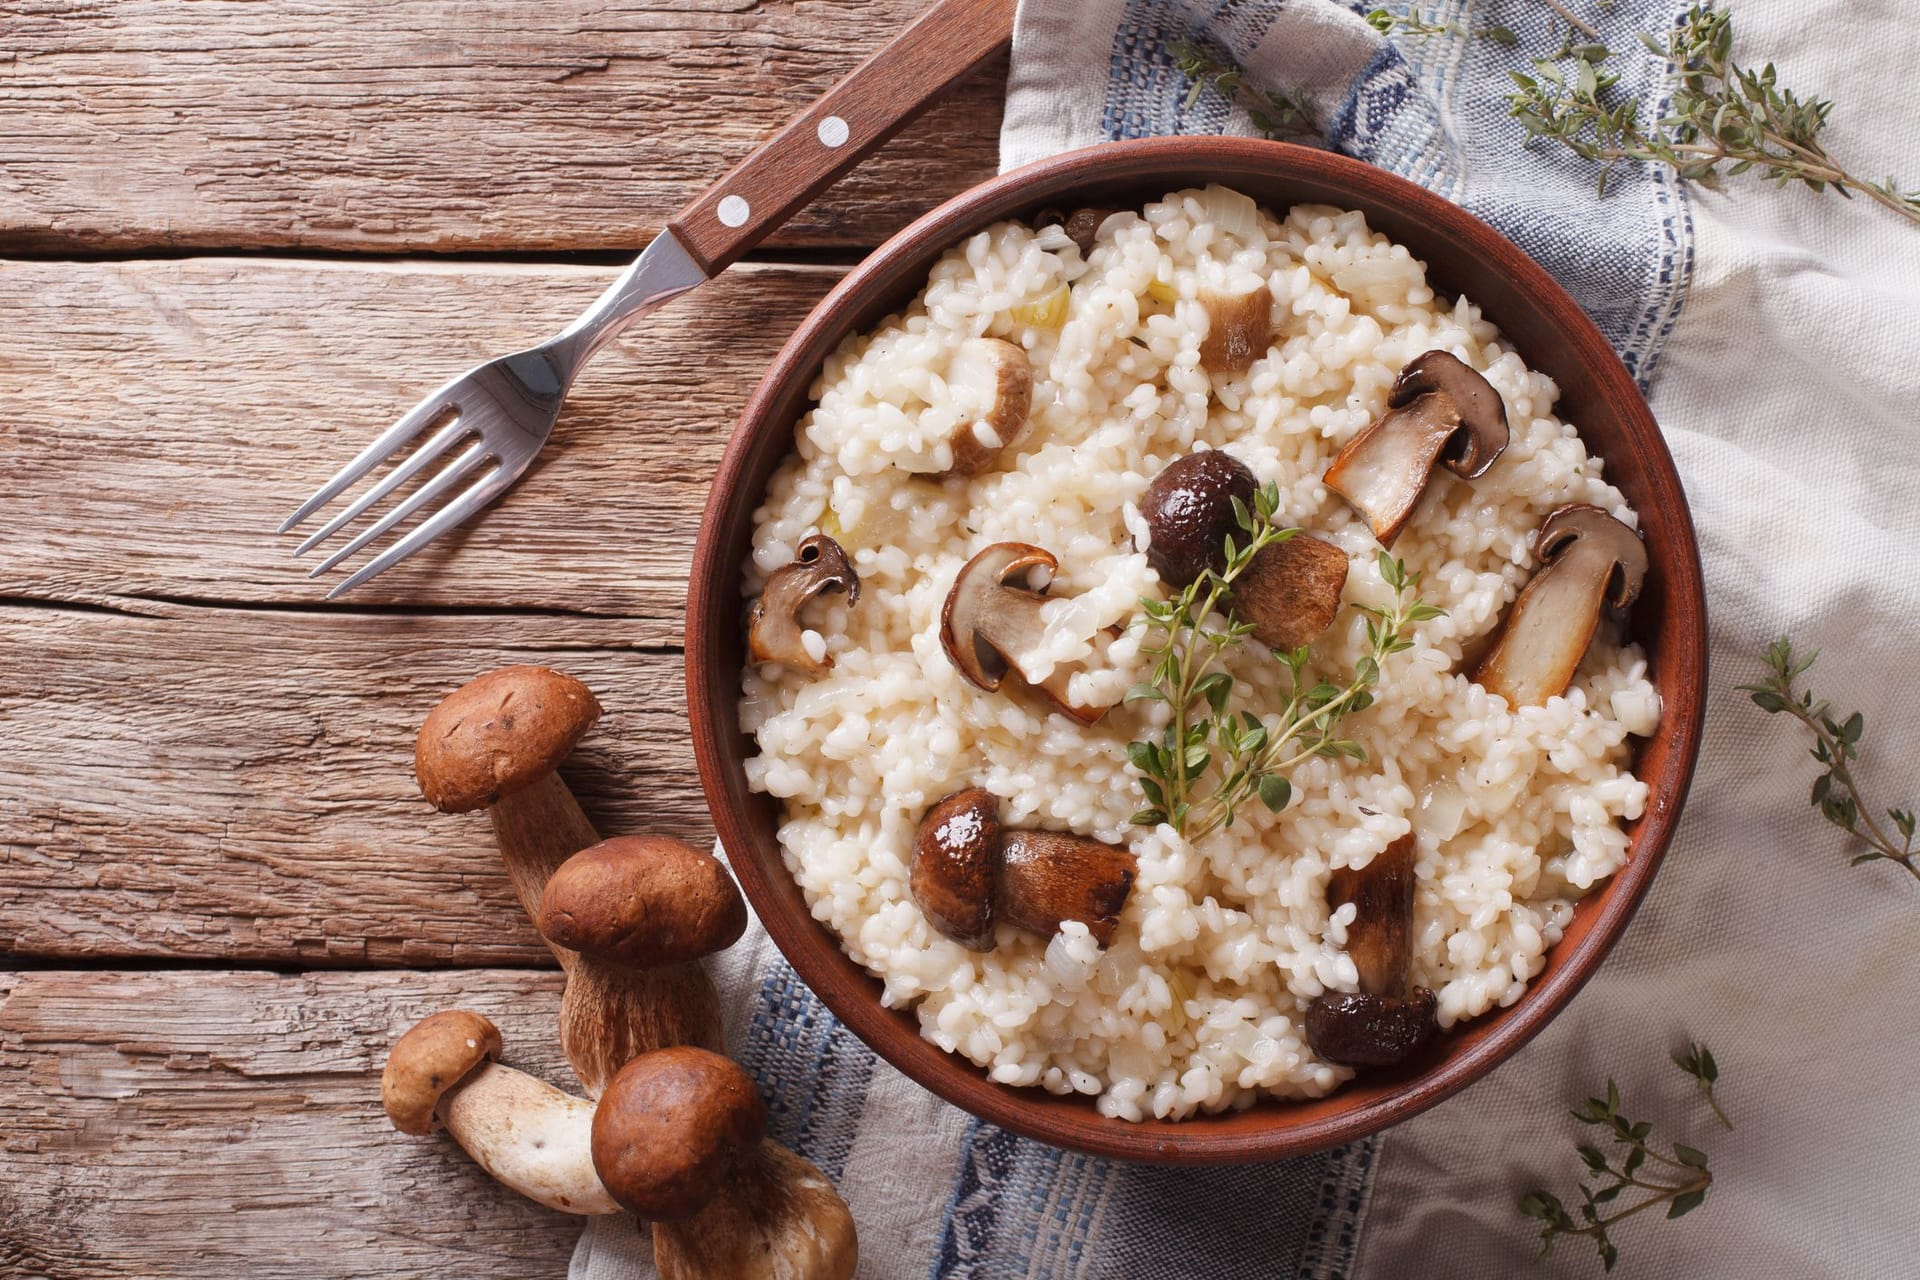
<point>504,410</point>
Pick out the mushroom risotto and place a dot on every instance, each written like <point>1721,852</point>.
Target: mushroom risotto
<point>1187,652</point>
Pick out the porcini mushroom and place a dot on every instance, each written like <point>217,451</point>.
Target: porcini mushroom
<point>530,1136</point>
<point>1189,513</point>
<point>1439,409</point>
<point>1382,1022</point>
<point>1290,590</point>
<point>995,379</point>
<point>992,617</point>
<point>774,630</point>
<point>496,743</point>
<point>1050,877</point>
<point>776,1218</point>
<point>669,1128</point>
<point>1587,560</point>
<point>956,859</point>
<point>1239,328</point>
<point>968,872</point>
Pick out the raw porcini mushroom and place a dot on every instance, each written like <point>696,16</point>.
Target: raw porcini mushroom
<point>1189,513</point>
<point>638,912</point>
<point>991,617</point>
<point>776,1218</point>
<point>679,1139</point>
<point>1587,559</point>
<point>774,633</point>
<point>1050,877</point>
<point>1438,410</point>
<point>495,743</point>
<point>956,859</point>
<point>669,1127</point>
<point>1382,1022</point>
<point>528,1135</point>
<point>1290,591</point>
<point>998,377</point>
<point>1239,328</point>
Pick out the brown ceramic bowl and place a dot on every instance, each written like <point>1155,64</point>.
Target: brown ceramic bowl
<point>1463,255</point>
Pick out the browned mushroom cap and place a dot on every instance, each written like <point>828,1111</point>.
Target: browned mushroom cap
<point>1355,1029</point>
<point>1189,513</point>
<point>1380,939</point>
<point>644,901</point>
<point>956,858</point>
<point>774,633</point>
<point>991,616</point>
<point>1290,591</point>
<point>430,1059</point>
<point>1439,409</point>
<point>998,376</point>
<point>498,734</point>
<point>669,1128</point>
<point>1239,328</point>
<point>778,1218</point>
<point>1587,559</point>
<point>1050,877</point>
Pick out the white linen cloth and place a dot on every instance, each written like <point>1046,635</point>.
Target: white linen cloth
<point>1787,388</point>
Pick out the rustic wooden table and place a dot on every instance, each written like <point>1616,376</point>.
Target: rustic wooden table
<point>236,240</point>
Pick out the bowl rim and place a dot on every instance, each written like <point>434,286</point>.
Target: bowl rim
<point>714,600</point>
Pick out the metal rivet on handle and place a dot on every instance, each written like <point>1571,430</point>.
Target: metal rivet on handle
<point>833,131</point>
<point>734,211</point>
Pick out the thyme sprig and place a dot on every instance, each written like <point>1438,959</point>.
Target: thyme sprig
<point>1254,754</point>
<point>1836,746</point>
<point>1274,114</point>
<point>1415,23</point>
<point>1722,113</point>
<point>1679,1177</point>
<point>1698,1062</point>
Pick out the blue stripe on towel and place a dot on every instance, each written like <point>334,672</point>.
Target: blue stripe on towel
<point>816,1072</point>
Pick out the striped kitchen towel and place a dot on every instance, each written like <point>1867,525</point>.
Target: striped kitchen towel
<point>1756,938</point>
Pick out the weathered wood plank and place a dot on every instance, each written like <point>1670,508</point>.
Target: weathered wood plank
<point>239,785</point>
<point>425,125</point>
<point>162,418</point>
<point>198,1124</point>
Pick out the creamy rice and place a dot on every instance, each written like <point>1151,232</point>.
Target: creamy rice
<point>1198,1004</point>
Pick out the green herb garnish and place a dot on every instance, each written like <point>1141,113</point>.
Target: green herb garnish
<point>1722,113</point>
<point>1836,745</point>
<point>1253,755</point>
<point>1678,1178</point>
<point>1275,115</point>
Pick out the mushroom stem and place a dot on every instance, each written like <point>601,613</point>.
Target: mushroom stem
<point>529,1136</point>
<point>611,1014</point>
<point>537,829</point>
<point>776,1218</point>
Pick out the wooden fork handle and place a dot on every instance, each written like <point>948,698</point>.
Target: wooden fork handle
<point>842,127</point>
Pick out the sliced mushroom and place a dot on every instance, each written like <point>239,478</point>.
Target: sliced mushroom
<point>1290,591</point>
<point>1356,1029</point>
<point>774,633</point>
<point>1380,939</point>
<point>956,859</point>
<point>1050,877</point>
<point>1189,513</point>
<point>1588,558</point>
<point>1439,410</point>
<point>998,377</point>
<point>991,617</point>
<point>1239,328</point>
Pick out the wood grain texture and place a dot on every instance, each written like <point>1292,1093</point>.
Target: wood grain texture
<point>192,1124</point>
<point>162,418</point>
<point>424,125</point>
<point>238,785</point>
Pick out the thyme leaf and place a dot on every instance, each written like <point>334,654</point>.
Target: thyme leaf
<point>1677,1177</point>
<point>1836,746</point>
